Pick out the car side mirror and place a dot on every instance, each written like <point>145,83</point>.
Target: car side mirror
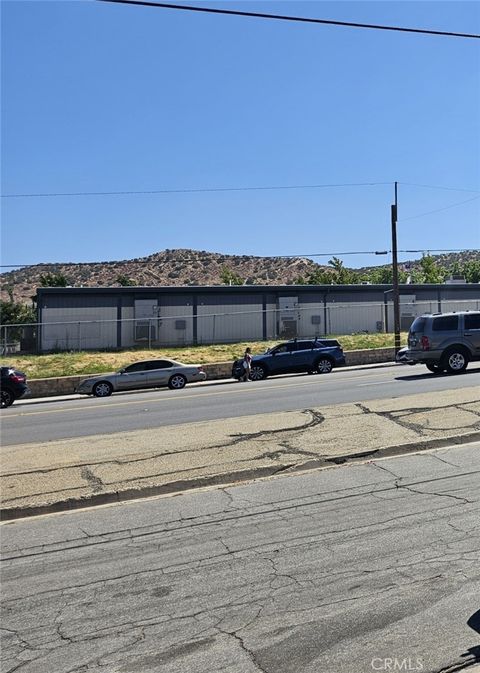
<point>122,371</point>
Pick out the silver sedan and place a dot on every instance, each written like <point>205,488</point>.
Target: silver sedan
<point>146,374</point>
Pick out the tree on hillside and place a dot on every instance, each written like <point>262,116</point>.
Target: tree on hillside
<point>382,275</point>
<point>229,277</point>
<point>316,277</point>
<point>430,271</point>
<point>455,268</point>
<point>471,271</point>
<point>54,280</point>
<point>125,281</point>
<point>341,275</point>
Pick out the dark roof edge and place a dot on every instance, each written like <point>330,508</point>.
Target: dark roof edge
<point>248,289</point>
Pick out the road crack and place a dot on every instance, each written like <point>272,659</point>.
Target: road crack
<point>95,482</point>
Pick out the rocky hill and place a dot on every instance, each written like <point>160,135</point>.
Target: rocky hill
<point>180,267</point>
<point>169,267</point>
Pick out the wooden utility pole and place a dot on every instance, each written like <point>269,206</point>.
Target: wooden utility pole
<point>396,295</point>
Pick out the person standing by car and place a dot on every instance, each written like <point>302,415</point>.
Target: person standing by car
<point>247,364</point>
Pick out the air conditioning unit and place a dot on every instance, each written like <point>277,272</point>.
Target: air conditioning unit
<point>145,331</point>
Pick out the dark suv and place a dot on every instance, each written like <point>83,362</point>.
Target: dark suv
<point>443,341</point>
<point>13,385</point>
<point>315,356</point>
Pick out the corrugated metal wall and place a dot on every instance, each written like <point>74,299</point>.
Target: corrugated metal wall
<point>79,328</point>
<point>97,320</point>
<point>236,319</point>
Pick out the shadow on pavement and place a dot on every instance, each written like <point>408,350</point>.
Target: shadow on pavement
<point>429,375</point>
<point>473,653</point>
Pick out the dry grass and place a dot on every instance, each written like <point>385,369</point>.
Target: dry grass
<point>82,363</point>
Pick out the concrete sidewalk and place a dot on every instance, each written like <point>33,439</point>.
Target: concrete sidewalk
<point>52,476</point>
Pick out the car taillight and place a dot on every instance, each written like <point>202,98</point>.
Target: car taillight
<point>17,379</point>
<point>425,343</point>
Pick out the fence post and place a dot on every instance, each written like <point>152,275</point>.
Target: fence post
<point>5,340</point>
<point>149,334</point>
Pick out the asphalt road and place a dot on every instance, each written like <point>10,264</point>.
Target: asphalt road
<point>44,421</point>
<point>344,570</point>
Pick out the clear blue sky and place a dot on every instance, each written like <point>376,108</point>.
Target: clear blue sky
<point>103,97</point>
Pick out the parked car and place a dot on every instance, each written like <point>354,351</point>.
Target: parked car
<point>315,356</point>
<point>13,386</point>
<point>443,341</point>
<point>146,374</point>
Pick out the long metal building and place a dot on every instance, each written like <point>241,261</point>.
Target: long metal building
<point>124,317</point>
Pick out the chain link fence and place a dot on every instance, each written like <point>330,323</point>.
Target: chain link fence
<point>303,320</point>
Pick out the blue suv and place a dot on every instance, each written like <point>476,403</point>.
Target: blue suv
<point>315,356</point>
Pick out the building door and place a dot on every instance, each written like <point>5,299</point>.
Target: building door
<point>146,319</point>
<point>288,318</point>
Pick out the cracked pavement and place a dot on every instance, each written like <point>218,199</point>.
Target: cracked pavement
<point>98,469</point>
<point>326,570</point>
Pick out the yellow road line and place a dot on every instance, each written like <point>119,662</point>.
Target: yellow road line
<point>144,402</point>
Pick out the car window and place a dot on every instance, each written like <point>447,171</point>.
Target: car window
<point>136,367</point>
<point>445,323</point>
<point>418,325</point>
<point>472,321</point>
<point>282,348</point>
<point>305,345</point>
<point>160,364</point>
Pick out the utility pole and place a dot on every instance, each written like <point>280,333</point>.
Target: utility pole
<point>396,295</point>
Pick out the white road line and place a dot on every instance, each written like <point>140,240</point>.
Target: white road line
<point>377,383</point>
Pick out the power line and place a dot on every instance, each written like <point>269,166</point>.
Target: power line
<point>253,188</point>
<point>439,210</point>
<point>444,250</point>
<point>449,189</point>
<point>192,191</point>
<point>297,256</point>
<point>298,19</point>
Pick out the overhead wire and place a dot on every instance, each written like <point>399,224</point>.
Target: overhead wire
<point>298,19</point>
<point>449,189</point>
<point>439,210</point>
<point>252,188</point>
<point>195,190</point>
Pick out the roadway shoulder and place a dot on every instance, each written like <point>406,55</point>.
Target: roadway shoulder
<point>66,474</point>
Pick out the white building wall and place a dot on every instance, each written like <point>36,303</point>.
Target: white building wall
<point>448,305</point>
<point>347,319</point>
<point>128,327</point>
<point>169,330</point>
<point>232,322</point>
<point>306,326</point>
<point>79,328</point>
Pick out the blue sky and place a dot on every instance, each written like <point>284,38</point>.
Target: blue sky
<point>102,97</point>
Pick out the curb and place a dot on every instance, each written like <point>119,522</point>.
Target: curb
<point>229,479</point>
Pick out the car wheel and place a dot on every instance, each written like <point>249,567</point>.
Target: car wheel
<point>7,398</point>
<point>257,373</point>
<point>455,361</point>
<point>324,366</point>
<point>102,389</point>
<point>434,367</point>
<point>177,382</point>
